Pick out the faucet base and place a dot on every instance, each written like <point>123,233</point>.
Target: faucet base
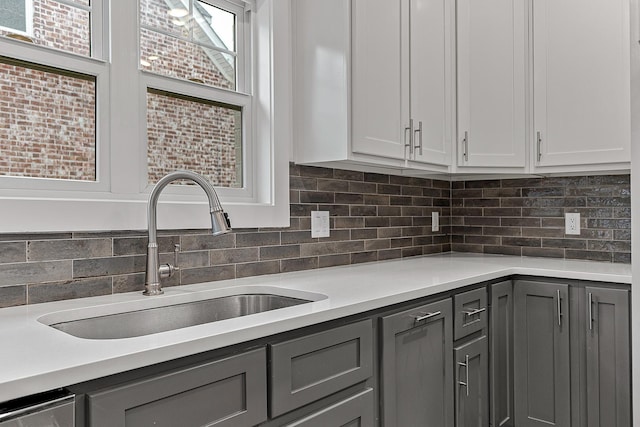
<point>152,289</point>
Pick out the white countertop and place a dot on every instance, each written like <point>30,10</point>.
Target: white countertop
<point>35,357</point>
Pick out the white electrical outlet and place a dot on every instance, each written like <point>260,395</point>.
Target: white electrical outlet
<point>572,223</point>
<point>320,224</point>
<point>435,221</point>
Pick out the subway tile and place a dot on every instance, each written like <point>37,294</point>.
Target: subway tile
<point>363,210</point>
<point>334,260</point>
<point>258,239</point>
<point>588,255</point>
<point>468,193</point>
<point>401,200</point>
<point>389,254</point>
<point>128,283</point>
<point>360,257</point>
<point>257,268</point>
<point>615,246</point>
<point>296,210</point>
<point>501,231</point>
<point>543,192</point>
<point>390,210</point>
<point>326,248</point>
<point>234,256</point>
<point>520,222</point>
<point>206,241</point>
<point>292,237</point>
<point>365,233</point>
<point>362,187</point>
<point>502,212</point>
<point>599,180</point>
<point>335,210</point>
<point>482,240</point>
<point>622,234</point>
<point>564,243</point>
<point>279,252</point>
<point>401,242</point>
<point>624,258</point>
<point>377,221</point>
<point>543,212</point>
<point>348,222</point>
<point>543,232</point>
<point>349,198</point>
<point>49,250</point>
<point>389,232</point>
<point>493,183</point>
<point>410,180</point>
<point>426,201</point>
<point>412,251</point>
<point>56,291</point>
<point>376,177</point>
<point>543,252</point>
<point>609,201</point>
<point>314,171</point>
<point>35,272</point>
<point>501,250</point>
<point>482,220</point>
<point>9,237</point>
<point>389,189</point>
<point>337,235</point>
<point>11,296</point>
<point>444,185</point>
<point>609,223</point>
<point>303,183</point>
<point>333,185</point>
<point>522,241</point>
<point>93,267</point>
<point>298,264</point>
<point>317,197</point>
<point>208,274</point>
<point>501,192</point>
<point>423,240</point>
<point>11,252</point>
<point>187,259</point>
<point>348,175</point>
<point>372,245</point>
<point>375,199</point>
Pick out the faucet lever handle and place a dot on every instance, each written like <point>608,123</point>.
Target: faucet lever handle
<point>176,251</point>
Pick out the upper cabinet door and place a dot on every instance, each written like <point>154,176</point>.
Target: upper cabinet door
<point>491,83</point>
<point>431,75</point>
<point>581,72</point>
<point>379,86</point>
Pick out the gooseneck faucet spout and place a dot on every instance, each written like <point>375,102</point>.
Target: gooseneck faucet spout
<point>219,225</point>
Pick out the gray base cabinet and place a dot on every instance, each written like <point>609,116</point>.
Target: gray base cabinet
<point>542,367</point>
<point>472,383</point>
<point>501,355</point>
<point>417,368</point>
<point>231,392</point>
<point>607,358</point>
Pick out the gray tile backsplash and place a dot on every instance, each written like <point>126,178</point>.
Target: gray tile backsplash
<point>373,217</point>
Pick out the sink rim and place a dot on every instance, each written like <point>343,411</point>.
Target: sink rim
<point>172,297</point>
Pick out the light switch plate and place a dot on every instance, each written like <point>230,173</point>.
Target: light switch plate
<point>435,221</point>
<point>320,224</point>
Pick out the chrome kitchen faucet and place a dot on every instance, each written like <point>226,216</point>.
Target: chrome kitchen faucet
<point>219,225</point>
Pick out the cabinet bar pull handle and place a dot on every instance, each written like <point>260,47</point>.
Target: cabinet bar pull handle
<point>474,312</point>
<point>466,368</point>
<point>427,316</point>
<point>409,143</point>
<point>539,145</point>
<point>590,311</point>
<point>559,309</point>
<point>419,130</point>
<point>465,146</point>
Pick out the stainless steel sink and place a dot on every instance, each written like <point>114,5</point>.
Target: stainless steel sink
<point>166,318</point>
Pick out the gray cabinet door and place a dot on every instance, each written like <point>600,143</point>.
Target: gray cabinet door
<point>472,384</point>
<point>231,392</point>
<point>501,354</point>
<point>542,368</point>
<point>417,368</point>
<point>608,368</point>
<point>355,411</point>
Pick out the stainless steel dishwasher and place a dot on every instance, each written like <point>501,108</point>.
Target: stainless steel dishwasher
<point>51,409</point>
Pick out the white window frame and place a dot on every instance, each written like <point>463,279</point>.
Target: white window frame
<point>116,202</point>
<point>28,8</point>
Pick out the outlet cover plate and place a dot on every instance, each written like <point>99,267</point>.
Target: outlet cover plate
<point>320,224</point>
<point>572,223</point>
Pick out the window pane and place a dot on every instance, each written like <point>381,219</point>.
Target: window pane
<point>48,127</point>
<point>194,134</point>
<point>48,23</point>
<point>198,46</point>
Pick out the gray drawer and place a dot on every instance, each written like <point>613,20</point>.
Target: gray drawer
<point>470,312</point>
<point>354,411</point>
<point>309,368</point>
<point>60,413</point>
<point>227,392</point>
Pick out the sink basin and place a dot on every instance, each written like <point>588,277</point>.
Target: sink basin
<point>148,321</point>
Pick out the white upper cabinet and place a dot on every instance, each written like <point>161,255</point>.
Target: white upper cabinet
<point>491,58</point>
<point>581,81</point>
<point>402,80</point>
<point>379,86</point>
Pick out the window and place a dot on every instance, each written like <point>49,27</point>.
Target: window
<point>96,125</point>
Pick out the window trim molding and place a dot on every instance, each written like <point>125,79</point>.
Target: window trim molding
<point>124,206</point>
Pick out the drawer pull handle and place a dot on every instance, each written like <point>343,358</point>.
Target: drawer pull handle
<point>474,312</point>
<point>427,316</point>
